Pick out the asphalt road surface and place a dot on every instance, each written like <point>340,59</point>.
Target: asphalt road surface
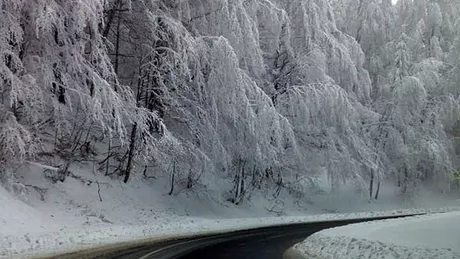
<point>263,243</point>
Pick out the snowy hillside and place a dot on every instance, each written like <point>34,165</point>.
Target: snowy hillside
<point>120,111</point>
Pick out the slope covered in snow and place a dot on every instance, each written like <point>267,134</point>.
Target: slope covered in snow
<point>88,210</point>
<point>73,217</point>
<point>423,237</point>
<point>121,112</point>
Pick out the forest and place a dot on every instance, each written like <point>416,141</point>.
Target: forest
<point>240,96</point>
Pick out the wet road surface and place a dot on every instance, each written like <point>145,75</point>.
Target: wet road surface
<point>261,243</point>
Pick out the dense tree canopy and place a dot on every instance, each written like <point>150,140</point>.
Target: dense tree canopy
<point>234,95</point>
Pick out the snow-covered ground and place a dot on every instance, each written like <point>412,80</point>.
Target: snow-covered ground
<point>422,237</point>
<point>88,210</point>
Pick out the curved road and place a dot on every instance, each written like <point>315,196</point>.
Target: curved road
<point>263,243</point>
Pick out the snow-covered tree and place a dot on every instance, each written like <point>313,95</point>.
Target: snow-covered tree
<point>371,23</point>
<point>402,60</point>
<point>59,83</point>
<point>234,95</point>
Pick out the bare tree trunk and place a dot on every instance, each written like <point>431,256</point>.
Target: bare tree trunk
<point>242,181</point>
<point>237,188</point>
<point>110,18</point>
<point>173,175</point>
<point>131,152</point>
<point>279,185</point>
<point>117,8</point>
<point>371,185</point>
<point>117,48</point>
<point>237,183</point>
<point>189,180</point>
<point>107,165</point>
<point>405,180</point>
<point>378,190</point>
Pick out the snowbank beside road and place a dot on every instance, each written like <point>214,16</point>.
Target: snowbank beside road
<point>430,236</point>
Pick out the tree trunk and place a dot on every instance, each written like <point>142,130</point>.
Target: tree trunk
<point>107,165</point>
<point>377,192</point>
<point>117,8</point>
<point>117,48</point>
<point>172,179</point>
<point>189,180</point>
<point>131,152</point>
<point>404,183</point>
<point>237,188</point>
<point>242,181</point>
<point>371,184</point>
<point>237,183</point>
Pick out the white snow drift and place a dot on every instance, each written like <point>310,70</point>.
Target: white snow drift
<point>423,237</point>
